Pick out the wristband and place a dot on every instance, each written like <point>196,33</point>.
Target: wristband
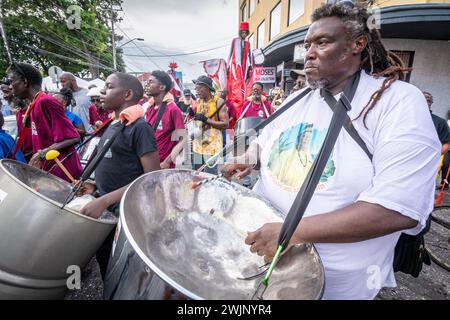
<point>41,154</point>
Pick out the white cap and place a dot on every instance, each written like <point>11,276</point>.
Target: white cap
<point>94,92</point>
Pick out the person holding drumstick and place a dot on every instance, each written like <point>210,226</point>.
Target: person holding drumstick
<point>361,204</point>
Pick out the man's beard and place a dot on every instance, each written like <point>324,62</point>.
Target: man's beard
<point>318,84</point>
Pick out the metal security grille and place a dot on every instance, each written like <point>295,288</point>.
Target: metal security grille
<point>408,59</point>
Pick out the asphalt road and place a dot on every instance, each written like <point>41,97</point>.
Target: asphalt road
<point>432,284</point>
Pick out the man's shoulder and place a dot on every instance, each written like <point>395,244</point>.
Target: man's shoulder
<point>140,123</point>
<point>48,100</point>
<point>438,120</point>
<point>172,106</point>
<point>398,89</point>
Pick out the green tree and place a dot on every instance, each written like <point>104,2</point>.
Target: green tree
<point>38,33</point>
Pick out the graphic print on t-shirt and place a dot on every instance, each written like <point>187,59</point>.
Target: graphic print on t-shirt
<point>292,155</point>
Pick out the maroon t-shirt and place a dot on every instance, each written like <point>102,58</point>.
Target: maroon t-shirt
<point>256,110</point>
<point>97,114</point>
<point>231,114</point>
<point>49,125</point>
<point>27,146</point>
<point>172,119</point>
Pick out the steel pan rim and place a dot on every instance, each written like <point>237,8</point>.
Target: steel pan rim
<point>138,250</point>
<point>53,202</point>
<point>160,273</point>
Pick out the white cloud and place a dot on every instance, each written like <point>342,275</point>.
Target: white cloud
<point>174,27</point>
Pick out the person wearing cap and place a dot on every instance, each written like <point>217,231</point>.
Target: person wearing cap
<point>98,115</point>
<point>186,102</point>
<point>241,68</point>
<point>212,118</point>
<point>299,78</point>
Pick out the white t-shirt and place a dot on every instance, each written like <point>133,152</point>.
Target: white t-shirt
<point>406,150</point>
<point>82,107</point>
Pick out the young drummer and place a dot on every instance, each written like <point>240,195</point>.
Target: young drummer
<point>133,153</point>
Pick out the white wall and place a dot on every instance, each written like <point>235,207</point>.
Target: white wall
<point>431,69</point>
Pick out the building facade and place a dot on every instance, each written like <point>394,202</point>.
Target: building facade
<point>418,31</point>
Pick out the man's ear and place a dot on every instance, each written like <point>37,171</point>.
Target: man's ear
<point>26,83</point>
<point>359,44</point>
<point>129,95</point>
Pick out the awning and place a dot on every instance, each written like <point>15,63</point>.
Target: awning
<point>419,21</point>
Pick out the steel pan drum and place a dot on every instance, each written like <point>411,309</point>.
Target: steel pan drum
<point>175,242</point>
<point>245,124</point>
<point>38,240</point>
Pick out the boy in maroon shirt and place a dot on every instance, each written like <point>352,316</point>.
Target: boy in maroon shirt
<point>50,128</point>
<point>170,133</point>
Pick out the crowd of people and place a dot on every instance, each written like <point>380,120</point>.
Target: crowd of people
<point>354,222</point>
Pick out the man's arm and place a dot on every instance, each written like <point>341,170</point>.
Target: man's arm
<point>223,122</point>
<point>445,148</point>
<point>180,136</point>
<point>358,222</point>
<point>36,161</point>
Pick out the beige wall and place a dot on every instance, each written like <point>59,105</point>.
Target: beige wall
<point>431,68</point>
<point>262,13</point>
<point>263,9</point>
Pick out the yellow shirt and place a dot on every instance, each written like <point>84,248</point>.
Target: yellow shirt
<point>210,141</point>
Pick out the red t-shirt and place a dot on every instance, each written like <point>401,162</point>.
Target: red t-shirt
<point>50,125</point>
<point>97,114</point>
<point>256,110</point>
<point>27,146</point>
<point>172,119</point>
<point>231,114</point>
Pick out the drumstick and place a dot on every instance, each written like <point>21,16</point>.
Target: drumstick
<point>196,184</point>
<point>53,155</point>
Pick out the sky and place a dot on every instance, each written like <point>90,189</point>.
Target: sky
<point>176,27</point>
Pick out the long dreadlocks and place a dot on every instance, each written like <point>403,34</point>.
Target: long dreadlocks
<point>375,59</point>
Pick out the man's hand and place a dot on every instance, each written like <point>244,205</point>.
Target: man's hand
<point>200,117</point>
<point>264,241</point>
<point>238,170</point>
<point>36,161</point>
<point>88,187</point>
<point>165,164</point>
<point>95,208</point>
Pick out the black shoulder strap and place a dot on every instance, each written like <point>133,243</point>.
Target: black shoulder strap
<point>306,191</point>
<point>331,101</point>
<point>160,115</point>
<point>283,108</point>
<point>218,110</point>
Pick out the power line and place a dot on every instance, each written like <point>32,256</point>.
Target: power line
<point>180,54</point>
<point>64,45</point>
<point>145,54</point>
<point>45,52</point>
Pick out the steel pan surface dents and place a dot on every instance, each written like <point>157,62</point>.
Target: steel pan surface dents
<point>194,239</point>
<point>38,240</point>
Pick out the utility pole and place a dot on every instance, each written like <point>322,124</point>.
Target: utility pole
<point>5,40</point>
<point>113,38</point>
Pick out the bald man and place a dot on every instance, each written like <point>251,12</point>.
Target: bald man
<point>83,102</point>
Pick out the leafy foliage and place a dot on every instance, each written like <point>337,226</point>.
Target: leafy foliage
<point>38,33</point>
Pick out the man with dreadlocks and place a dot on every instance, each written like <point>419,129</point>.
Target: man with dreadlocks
<point>360,206</point>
